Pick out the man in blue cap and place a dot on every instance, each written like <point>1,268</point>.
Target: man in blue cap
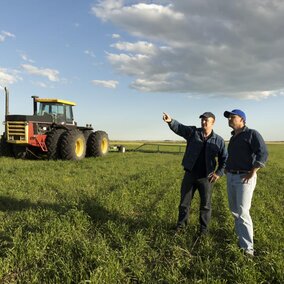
<point>247,153</point>
<point>203,148</point>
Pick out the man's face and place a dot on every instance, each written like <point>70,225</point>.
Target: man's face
<point>207,123</point>
<point>235,121</point>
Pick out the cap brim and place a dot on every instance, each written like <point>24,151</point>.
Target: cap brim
<point>227,114</point>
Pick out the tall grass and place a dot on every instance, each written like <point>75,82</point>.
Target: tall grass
<point>108,220</point>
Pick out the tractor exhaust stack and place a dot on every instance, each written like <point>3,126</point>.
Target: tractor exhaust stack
<point>35,104</point>
<point>6,101</point>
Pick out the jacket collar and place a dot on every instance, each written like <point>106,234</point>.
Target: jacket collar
<point>244,129</point>
<point>212,135</point>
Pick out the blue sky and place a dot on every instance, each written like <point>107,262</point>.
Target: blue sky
<point>125,62</point>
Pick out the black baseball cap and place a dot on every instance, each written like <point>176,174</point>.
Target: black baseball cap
<point>207,114</point>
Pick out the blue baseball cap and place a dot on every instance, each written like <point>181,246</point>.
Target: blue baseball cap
<point>235,112</point>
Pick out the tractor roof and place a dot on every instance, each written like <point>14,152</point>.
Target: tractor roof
<point>40,100</point>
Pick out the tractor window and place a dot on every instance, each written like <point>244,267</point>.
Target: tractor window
<point>48,108</point>
<point>44,109</point>
<point>57,109</point>
<point>69,114</point>
<point>61,112</point>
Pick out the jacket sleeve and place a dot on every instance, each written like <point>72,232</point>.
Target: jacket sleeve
<point>180,129</point>
<point>222,158</point>
<point>259,149</point>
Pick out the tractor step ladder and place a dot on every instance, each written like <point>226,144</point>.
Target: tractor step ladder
<point>42,145</point>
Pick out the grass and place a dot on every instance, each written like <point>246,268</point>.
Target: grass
<point>108,220</point>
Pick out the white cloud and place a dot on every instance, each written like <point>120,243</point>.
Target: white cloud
<point>115,36</point>
<point>105,83</point>
<point>40,84</point>
<point>142,47</point>
<point>7,34</point>
<point>104,8</point>
<point>219,48</point>
<point>129,64</point>
<point>26,58</point>
<point>8,77</point>
<point>51,74</point>
<point>4,35</point>
<point>90,53</point>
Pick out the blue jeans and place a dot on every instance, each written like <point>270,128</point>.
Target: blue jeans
<point>240,197</point>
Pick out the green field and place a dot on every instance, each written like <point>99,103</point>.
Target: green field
<point>108,220</point>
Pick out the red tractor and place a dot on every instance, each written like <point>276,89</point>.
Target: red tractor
<point>50,132</point>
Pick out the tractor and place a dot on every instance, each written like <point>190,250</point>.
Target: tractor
<point>50,132</point>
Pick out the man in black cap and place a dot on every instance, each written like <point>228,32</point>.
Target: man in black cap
<point>199,162</point>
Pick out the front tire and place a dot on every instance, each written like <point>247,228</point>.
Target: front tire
<point>98,144</point>
<point>53,143</point>
<point>87,134</point>
<point>73,145</point>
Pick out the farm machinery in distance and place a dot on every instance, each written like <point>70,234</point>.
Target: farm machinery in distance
<point>50,132</point>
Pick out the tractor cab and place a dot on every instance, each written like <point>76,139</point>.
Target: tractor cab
<point>60,110</point>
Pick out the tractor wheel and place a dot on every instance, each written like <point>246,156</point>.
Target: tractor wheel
<point>73,145</point>
<point>87,134</point>
<point>5,148</point>
<point>20,152</point>
<point>53,143</point>
<point>98,144</point>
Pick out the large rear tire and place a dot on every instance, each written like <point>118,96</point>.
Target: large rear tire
<point>87,134</point>
<point>98,144</point>
<point>53,143</point>
<point>73,145</point>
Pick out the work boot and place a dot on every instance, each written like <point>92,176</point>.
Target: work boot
<point>178,229</point>
<point>249,253</point>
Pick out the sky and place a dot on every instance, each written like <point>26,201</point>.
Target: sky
<point>124,63</point>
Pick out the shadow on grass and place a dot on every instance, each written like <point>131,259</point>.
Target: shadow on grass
<point>101,216</point>
<point>13,204</point>
<point>97,212</point>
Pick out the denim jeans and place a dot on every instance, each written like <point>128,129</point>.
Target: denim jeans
<point>189,185</point>
<point>240,197</point>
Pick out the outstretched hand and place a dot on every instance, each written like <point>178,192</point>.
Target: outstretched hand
<point>166,117</point>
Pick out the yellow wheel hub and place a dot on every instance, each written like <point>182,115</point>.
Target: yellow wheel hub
<point>79,147</point>
<point>104,145</point>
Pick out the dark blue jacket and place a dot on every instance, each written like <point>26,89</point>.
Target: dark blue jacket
<point>246,150</point>
<point>215,148</point>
